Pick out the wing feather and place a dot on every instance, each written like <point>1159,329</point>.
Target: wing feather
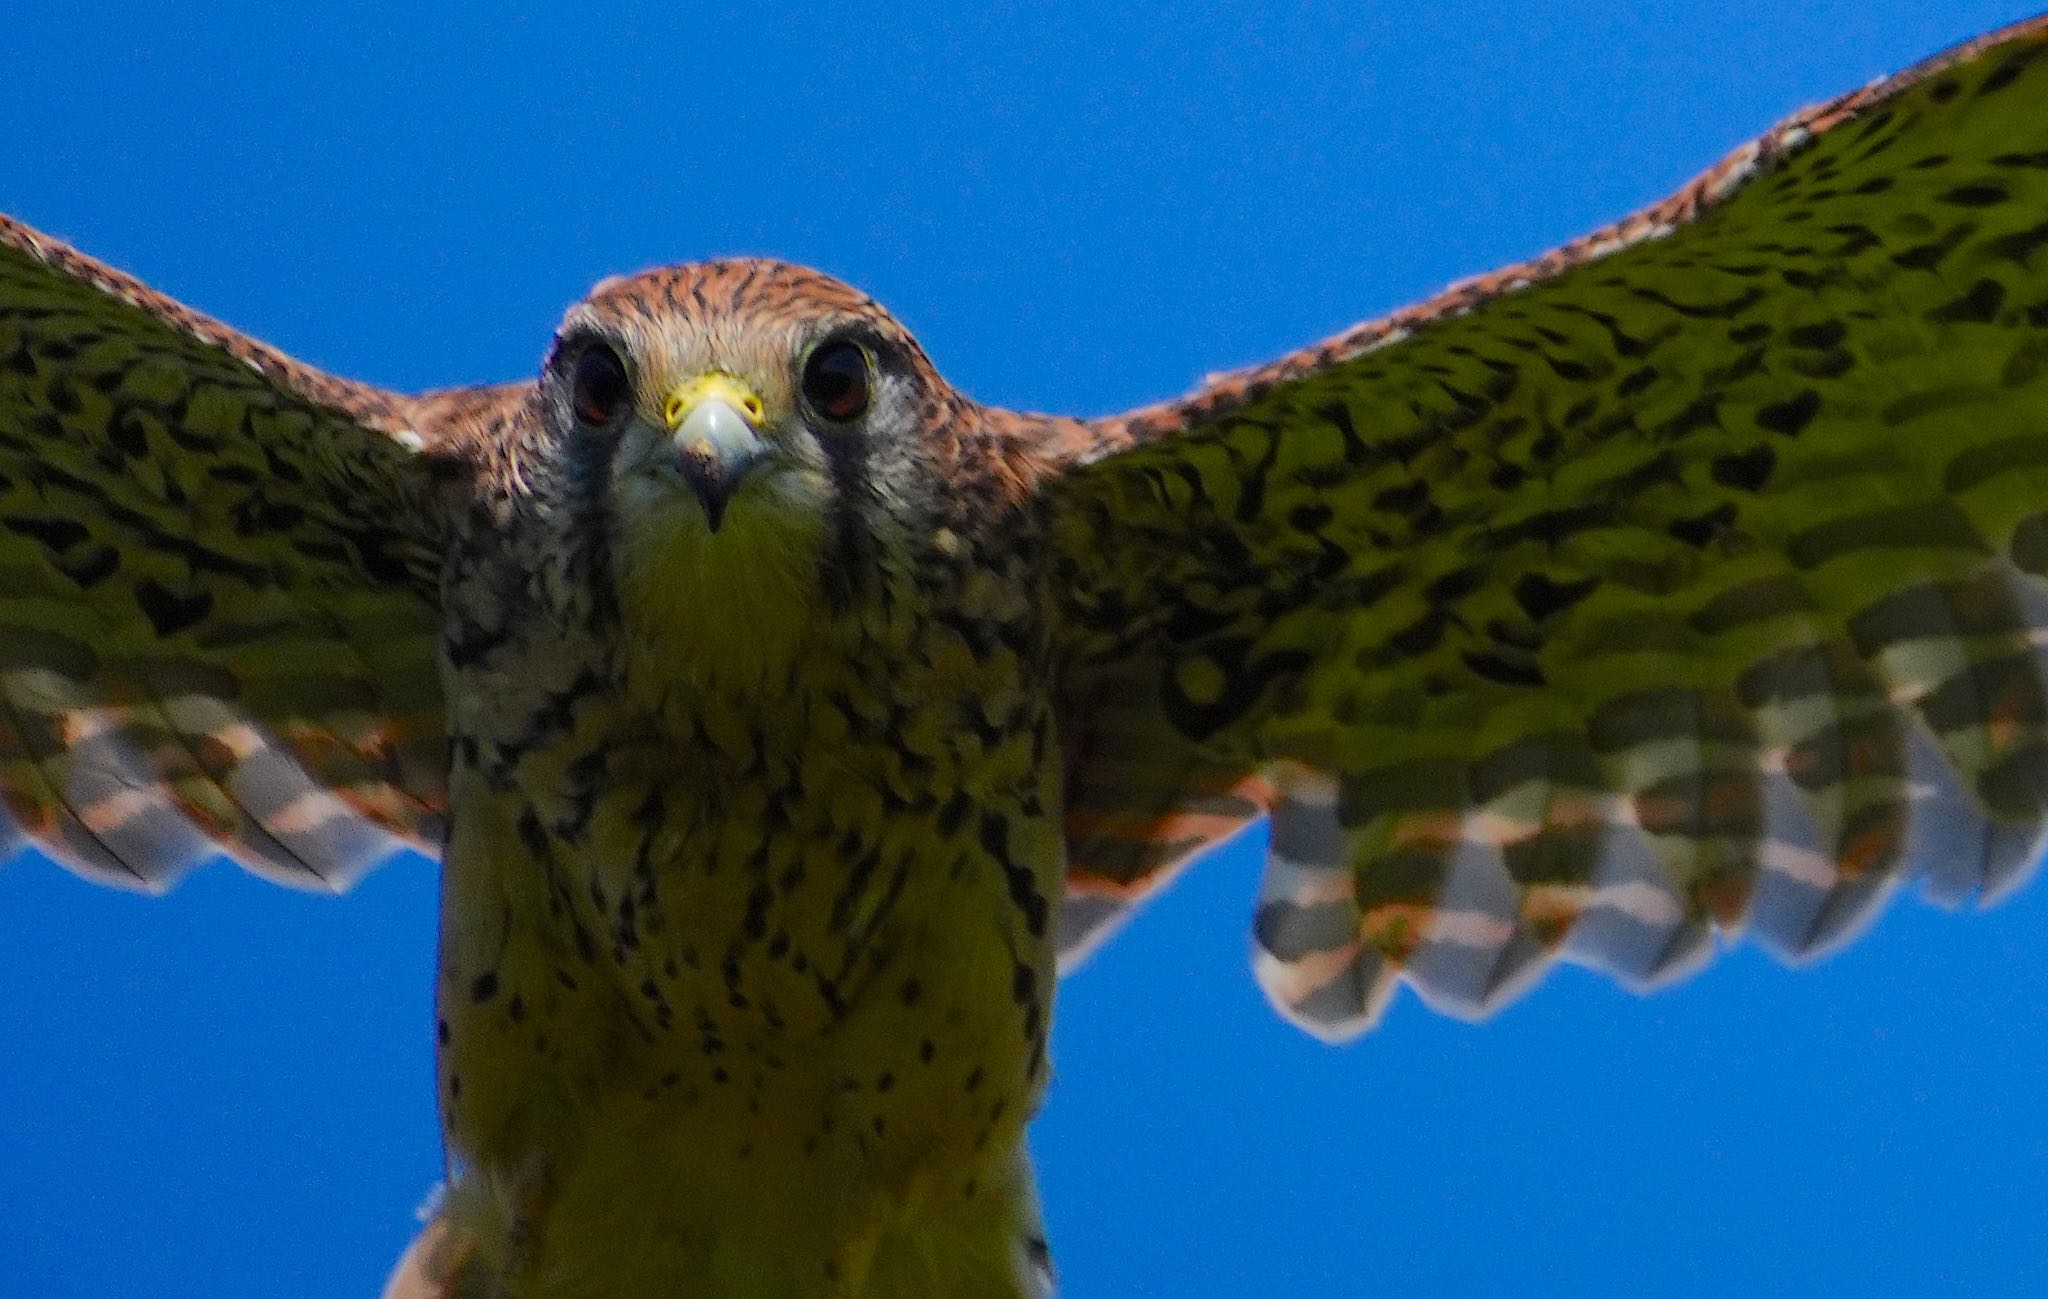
<point>219,575</point>
<point>1684,582</point>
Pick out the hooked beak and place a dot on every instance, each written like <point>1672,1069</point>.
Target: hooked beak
<point>716,421</point>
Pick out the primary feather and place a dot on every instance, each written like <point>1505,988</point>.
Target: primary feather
<point>1685,581</point>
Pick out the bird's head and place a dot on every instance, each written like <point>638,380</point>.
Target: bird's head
<point>763,443</point>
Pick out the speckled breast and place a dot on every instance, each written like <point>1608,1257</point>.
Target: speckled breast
<point>787,961</point>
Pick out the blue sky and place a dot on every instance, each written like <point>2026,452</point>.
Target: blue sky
<point>227,1091</point>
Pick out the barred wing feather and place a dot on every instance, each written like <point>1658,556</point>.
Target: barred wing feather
<point>218,578</point>
<point>1691,580</point>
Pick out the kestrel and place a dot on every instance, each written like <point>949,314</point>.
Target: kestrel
<point>782,717</point>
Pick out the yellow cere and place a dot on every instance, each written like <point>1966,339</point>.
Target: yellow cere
<point>685,398</point>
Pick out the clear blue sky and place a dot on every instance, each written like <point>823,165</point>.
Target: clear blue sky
<point>227,1092</point>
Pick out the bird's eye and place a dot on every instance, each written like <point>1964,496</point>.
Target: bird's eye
<point>598,387</point>
<point>836,380</point>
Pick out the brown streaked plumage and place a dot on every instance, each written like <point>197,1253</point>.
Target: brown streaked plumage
<point>1685,581</point>
<point>790,885</point>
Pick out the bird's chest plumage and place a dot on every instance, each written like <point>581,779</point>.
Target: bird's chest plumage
<point>762,984</point>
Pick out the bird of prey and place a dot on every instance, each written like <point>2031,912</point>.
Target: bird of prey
<point>782,718</point>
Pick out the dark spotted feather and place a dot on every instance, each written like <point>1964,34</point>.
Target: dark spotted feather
<point>1688,580</point>
<point>218,576</point>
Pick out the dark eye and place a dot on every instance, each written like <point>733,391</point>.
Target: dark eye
<point>836,380</point>
<point>598,387</point>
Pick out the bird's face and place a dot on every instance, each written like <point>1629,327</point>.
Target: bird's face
<point>755,434</point>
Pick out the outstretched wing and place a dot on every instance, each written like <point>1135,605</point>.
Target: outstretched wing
<point>218,578</point>
<point>1686,580</point>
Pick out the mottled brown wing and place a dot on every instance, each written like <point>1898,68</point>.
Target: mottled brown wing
<point>218,585</point>
<point>1686,580</point>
